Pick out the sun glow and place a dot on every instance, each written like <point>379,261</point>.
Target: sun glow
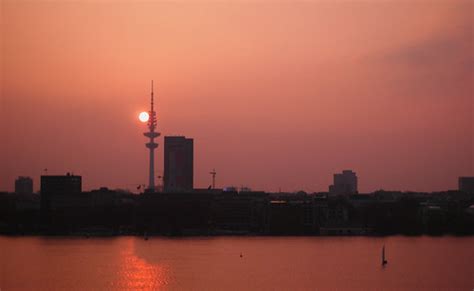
<point>143,116</point>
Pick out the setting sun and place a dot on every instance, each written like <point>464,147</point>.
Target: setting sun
<point>143,116</point>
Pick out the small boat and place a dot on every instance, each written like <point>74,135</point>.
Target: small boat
<point>384,261</point>
<point>241,255</point>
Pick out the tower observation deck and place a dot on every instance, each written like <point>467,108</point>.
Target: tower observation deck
<point>151,144</point>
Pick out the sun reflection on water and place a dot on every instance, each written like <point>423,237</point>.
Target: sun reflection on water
<point>137,274</point>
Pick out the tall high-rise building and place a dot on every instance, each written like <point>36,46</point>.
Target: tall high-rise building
<point>24,185</point>
<point>466,184</point>
<point>178,171</point>
<point>344,183</point>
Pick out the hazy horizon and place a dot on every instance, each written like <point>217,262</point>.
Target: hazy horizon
<point>276,95</point>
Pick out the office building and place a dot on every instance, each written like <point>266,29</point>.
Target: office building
<point>55,187</point>
<point>344,183</point>
<point>68,184</point>
<point>178,170</point>
<point>466,184</point>
<point>24,185</point>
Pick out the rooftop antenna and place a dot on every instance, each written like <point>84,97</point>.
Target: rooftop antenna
<point>213,173</point>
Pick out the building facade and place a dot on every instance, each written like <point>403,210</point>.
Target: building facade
<point>67,184</point>
<point>178,168</point>
<point>344,183</point>
<point>466,184</point>
<point>24,185</point>
<point>56,189</point>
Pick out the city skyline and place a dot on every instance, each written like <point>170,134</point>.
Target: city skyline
<point>270,105</point>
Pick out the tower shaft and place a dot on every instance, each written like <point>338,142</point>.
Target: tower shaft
<point>151,179</point>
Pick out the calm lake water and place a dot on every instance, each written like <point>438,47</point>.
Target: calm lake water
<point>267,263</point>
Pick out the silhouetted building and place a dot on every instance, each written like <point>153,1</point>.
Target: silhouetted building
<point>67,184</point>
<point>174,213</point>
<point>103,198</point>
<point>66,210</point>
<point>55,192</point>
<point>178,171</point>
<point>291,216</point>
<point>24,185</point>
<point>344,183</point>
<point>466,184</point>
<point>243,212</point>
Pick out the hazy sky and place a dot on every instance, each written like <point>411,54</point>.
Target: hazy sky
<point>276,94</point>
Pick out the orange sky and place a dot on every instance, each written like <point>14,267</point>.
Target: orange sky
<point>276,94</point>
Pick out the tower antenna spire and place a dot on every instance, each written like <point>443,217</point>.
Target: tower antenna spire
<point>152,97</point>
<point>152,145</point>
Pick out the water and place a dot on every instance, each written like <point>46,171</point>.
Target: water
<point>268,263</point>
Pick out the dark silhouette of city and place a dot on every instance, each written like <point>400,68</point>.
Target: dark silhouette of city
<point>63,208</point>
<point>176,208</point>
<point>236,145</point>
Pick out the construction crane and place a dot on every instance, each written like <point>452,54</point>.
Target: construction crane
<point>213,173</point>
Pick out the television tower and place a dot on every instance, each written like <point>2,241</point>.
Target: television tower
<point>152,145</point>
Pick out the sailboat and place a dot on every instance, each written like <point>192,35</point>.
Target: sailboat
<point>384,261</point>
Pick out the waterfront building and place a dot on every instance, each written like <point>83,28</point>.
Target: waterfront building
<point>55,193</point>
